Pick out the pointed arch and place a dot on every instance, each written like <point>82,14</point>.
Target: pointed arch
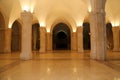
<point>61,37</point>
<point>16,37</point>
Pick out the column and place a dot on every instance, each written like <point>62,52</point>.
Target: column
<point>98,30</point>
<point>8,40</point>
<point>26,52</point>
<point>49,41</point>
<point>80,39</point>
<point>116,37</point>
<point>93,36</point>
<point>42,39</point>
<point>74,41</point>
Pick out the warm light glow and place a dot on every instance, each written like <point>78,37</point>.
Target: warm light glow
<point>48,30</point>
<point>80,23</point>
<point>10,25</point>
<point>74,30</point>
<point>42,24</point>
<point>89,9</point>
<point>28,5</point>
<point>26,8</point>
<point>115,24</point>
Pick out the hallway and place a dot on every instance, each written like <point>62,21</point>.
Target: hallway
<point>58,65</point>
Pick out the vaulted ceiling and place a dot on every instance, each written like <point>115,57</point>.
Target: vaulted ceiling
<point>46,12</point>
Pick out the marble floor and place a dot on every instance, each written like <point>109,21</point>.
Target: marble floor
<point>59,65</point>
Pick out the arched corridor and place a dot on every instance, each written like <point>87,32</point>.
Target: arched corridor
<point>61,37</point>
<point>59,40</point>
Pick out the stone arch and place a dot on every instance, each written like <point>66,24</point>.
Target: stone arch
<point>61,37</point>
<point>57,21</point>
<point>16,37</point>
<point>61,21</point>
<point>60,16</point>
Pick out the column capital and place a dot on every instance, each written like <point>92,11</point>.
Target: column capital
<point>79,29</point>
<point>115,28</point>
<point>26,13</point>
<point>25,16</point>
<point>43,28</point>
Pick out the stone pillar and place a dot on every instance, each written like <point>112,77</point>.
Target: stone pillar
<point>42,39</point>
<point>49,41</point>
<point>80,39</point>
<point>74,41</point>
<point>98,30</point>
<point>26,52</point>
<point>116,37</point>
<point>8,40</point>
<point>93,37</point>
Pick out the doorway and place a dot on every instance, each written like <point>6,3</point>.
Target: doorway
<point>16,37</point>
<point>109,35</point>
<point>86,36</point>
<point>35,37</point>
<point>61,37</point>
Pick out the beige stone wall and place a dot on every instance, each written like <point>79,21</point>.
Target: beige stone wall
<point>8,40</point>
<point>49,41</point>
<point>2,40</point>
<point>116,38</point>
<point>74,41</point>
<point>42,39</point>
<point>79,39</point>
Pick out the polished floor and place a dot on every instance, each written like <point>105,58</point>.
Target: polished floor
<point>59,65</point>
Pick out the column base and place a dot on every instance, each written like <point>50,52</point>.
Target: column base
<point>80,50</point>
<point>25,56</point>
<point>42,51</point>
<point>96,56</point>
<point>116,50</point>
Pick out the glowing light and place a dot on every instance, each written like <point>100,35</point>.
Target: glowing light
<point>89,9</point>
<point>26,8</point>
<point>79,24</point>
<point>115,24</point>
<point>10,25</point>
<point>28,5</point>
<point>74,30</point>
<point>48,30</point>
<point>42,24</point>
